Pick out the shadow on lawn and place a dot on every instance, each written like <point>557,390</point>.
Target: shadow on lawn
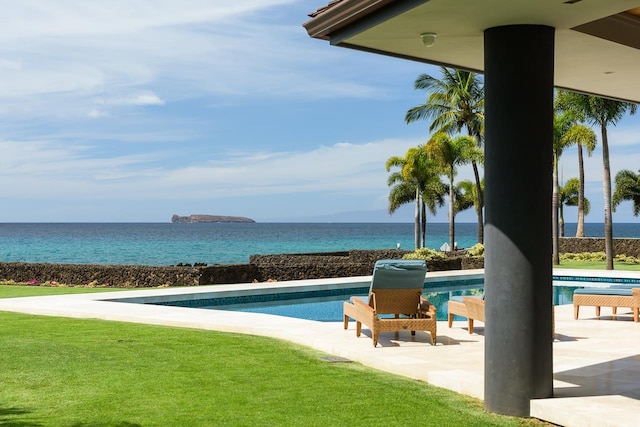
<point>18,417</point>
<point>121,424</point>
<point>15,417</point>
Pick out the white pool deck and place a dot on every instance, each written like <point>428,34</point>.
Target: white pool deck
<point>596,362</point>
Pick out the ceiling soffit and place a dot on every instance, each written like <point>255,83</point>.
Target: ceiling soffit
<point>597,43</point>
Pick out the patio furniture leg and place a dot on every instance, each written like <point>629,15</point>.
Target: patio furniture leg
<point>597,311</point>
<point>470,326</point>
<point>450,319</point>
<point>576,308</point>
<point>358,328</point>
<point>346,322</point>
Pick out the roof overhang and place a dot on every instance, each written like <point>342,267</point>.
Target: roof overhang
<point>597,47</point>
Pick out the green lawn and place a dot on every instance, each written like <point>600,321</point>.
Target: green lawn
<point>78,372</point>
<point>597,265</point>
<point>14,291</point>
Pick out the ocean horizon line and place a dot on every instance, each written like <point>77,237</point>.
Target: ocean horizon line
<point>273,222</point>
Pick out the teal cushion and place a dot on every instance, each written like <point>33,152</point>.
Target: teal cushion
<point>604,291</point>
<point>459,297</point>
<point>399,274</point>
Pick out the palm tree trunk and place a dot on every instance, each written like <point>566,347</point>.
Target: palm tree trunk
<point>452,225</point>
<point>554,213</point>
<point>580,226</point>
<point>417,220</point>
<point>424,224</point>
<point>480,203</point>
<point>606,181</point>
<point>561,221</point>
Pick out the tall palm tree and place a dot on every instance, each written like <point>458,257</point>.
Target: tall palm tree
<point>583,137</point>
<point>561,124</point>
<point>601,112</point>
<point>450,153</point>
<point>467,195</point>
<point>567,132</point>
<point>417,181</point>
<point>627,188</point>
<point>570,196</point>
<point>454,102</point>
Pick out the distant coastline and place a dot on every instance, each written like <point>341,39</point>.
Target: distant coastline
<point>209,218</point>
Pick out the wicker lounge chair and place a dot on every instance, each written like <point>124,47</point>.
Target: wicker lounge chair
<point>472,307</point>
<point>396,289</point>
<point>456,307</point>
<point>613,297</point>
<point>475,310</point>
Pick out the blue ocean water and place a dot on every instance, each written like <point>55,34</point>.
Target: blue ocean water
<point>220,243</point>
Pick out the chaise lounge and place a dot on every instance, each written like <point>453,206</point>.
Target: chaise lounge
<point>457,307</point>
<point>473,309</point>
<point>614,297</point>
<point>396,289</point>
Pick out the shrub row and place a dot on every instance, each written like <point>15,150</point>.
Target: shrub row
<point>629,247</point>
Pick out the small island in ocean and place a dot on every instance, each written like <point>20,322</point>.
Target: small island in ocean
<point>209,218</point>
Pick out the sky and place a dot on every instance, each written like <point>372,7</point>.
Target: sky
<point>135,110</point>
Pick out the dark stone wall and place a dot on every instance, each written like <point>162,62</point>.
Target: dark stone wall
<point>261,268</point>
<point>232,273</point>
<point>121,276</point>
<point>320,265</point>
<point>630,247</point>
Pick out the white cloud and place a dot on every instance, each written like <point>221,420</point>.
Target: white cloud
<point>43,169</point>
<point>34,18</point>
<point>96,114</point>
<point>148,98</point>
<point>58,57</point>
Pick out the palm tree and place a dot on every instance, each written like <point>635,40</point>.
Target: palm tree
<point>627,188</point>
<point>582,137</point>
<point>448,154</point>
<point>454,102</point>
<point>467,195</point>
<point>417,181</point>
<point>601,112</point>
<point>561,124</point>
<point>567,132</point>
<point>570,196</point>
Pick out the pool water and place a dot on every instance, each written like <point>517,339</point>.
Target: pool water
<point>329,309</point>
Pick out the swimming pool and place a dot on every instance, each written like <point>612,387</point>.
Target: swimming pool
<point>321,299</point>
<point>329,309</point>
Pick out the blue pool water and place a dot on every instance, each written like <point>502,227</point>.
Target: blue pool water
<point>325,304</point>
<point>329,309</point>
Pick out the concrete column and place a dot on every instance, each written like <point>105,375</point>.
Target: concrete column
<point>518,181</point>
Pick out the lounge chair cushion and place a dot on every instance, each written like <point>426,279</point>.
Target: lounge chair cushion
<point>398,274</point>
<point>604,291</point>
